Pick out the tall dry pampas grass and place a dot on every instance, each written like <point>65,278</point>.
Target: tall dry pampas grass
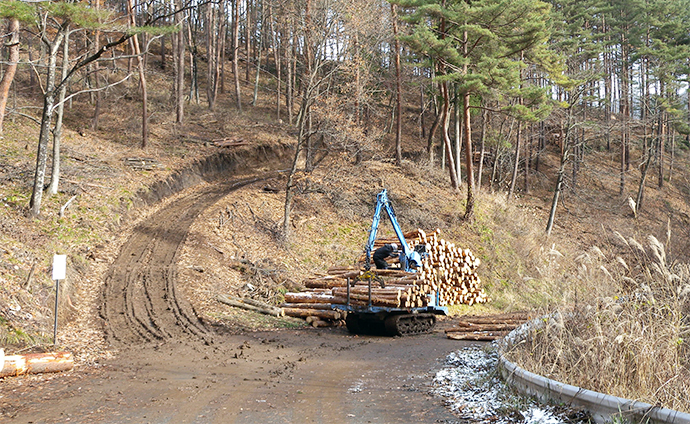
<point>632,341</point>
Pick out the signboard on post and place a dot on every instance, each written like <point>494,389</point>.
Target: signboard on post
<point>59,267</point>
<point>59,273</point>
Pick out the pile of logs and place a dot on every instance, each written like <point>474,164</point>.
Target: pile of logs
<point>452,271</point>
<point>486,328</point>
<point>447,272</point>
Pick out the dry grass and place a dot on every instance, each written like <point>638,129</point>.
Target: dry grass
<point>631,339</point>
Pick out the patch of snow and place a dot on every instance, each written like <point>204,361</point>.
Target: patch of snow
<point>471,386</point>
<point>357,387</point>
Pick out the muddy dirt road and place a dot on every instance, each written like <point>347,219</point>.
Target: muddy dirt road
<point>172,368</point>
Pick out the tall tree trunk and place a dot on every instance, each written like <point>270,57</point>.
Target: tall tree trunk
<point>430,138</point>
<point>458,132</point>
<point>469,166</point>
<point>178,67</point>
<point>528,157</point>
<point>446,138</point>
<point>258,61</point>
<point>96,66</point>
<point>211,54</point>
<point>193,66</point>
<point>301,140</point>
<point>398,89</point>
<point>277,59</point>
<point>482,147</point>
<point>163,58</point>
<point>556,195</point>
<point>640,189</point>
<point>223,44</point>
<point>422,109</point>
<point>625,113</point>
<point>516,164</point>
<point>662,138</point>
<point>57,132</point>
<point>142,78</point>
<point>248,37</point>
<point>467,124</point>
<point>236,51</point>
<point>565,150</point>
<point>289,80</point>
<point>308,89</point>
<point>10,69</point>
<point>46,120</point>
<point>358,98</point>
<point>673,154</point>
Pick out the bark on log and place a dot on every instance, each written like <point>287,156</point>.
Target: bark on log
<point>375,300</point>
<point>477,336</point>
<point>35,363</point>
<point>322,306</point>
<point>316,323</point>
<point>303,313</point>
<point>466,327</point>
<point>519,317</point>
<point>325,284</point>
<point>308,297</point>
<point>238,303</point>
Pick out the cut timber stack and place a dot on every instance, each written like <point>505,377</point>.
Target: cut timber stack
<point>486,328</point>
<point>446,270</point>
<point>451,270</point>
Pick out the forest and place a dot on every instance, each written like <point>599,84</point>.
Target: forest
<point>531,102</point>
<point>487,83</point>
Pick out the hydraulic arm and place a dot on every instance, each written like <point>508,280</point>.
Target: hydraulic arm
<point>409,259</point>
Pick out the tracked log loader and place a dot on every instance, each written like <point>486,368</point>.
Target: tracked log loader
<point>370,319</point>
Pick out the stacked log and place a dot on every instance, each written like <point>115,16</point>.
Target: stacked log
<point>448,272</point>
<point>486,328</point>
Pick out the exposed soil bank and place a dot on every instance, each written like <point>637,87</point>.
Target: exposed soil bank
<point>173,368</point>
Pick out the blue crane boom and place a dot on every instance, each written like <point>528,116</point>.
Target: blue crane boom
<point>409,259</point>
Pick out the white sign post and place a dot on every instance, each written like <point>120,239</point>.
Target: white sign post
<point>59,271</point>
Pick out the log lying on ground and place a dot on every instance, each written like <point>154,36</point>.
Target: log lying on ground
<point>304,313</point>
<point>479,337</point>
<point>35,363</point>
<point>486,328</point>
<point>507,317</point>
<point>317,322</point>
<point>251,305</point>
<point>465,327</point>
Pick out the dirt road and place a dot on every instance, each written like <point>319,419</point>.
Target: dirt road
<point>172,368</point>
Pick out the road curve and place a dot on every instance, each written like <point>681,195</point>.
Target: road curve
<point>141,302</point>
<point>170,368</point>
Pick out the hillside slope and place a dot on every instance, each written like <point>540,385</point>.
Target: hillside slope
<point>329,224</point>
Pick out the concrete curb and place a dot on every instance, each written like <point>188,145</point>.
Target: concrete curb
<point>604,408</point>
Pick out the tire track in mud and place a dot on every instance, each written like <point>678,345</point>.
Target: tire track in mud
<point>141,300</point>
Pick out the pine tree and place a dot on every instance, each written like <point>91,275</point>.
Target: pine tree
<point>482,46</point>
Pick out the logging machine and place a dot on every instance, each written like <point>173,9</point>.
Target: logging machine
<point>390,321</point>
<point>410,259</point>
